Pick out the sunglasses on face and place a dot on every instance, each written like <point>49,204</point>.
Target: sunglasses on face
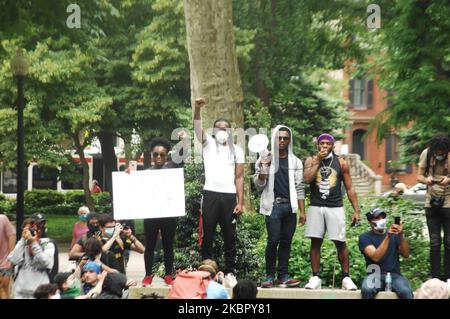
<point>283,138</point>
<point>156,154</point>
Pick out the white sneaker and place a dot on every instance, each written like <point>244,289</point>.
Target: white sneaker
<point>314,283</point>
<point>448,284</point>
<point>347,284</point>
<point>229,281</point>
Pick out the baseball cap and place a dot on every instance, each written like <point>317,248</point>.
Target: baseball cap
<point>60,278</point>
<point>374,213</point>
<point>39,217</point>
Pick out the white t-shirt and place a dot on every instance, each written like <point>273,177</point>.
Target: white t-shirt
<point>220,166</point>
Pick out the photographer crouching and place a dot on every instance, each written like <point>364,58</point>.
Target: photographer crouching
<point>433,171</point>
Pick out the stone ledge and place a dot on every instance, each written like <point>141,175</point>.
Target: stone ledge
<point>275,293</point>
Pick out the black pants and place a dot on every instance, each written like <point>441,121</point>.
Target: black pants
<point>217,208</point>
<point>280,226</point>
<point>151,227</point>
<point>438,219</point>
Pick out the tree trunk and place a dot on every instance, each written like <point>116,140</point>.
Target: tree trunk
<point>213,62</point>
<point>109,158</point>
<point>87,192</point>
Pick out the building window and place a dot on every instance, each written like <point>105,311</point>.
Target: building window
<point>361,93</point>
<point>45,177</point>
<point>9,181</point>
<point>392,164</point>
<point>72,176</point>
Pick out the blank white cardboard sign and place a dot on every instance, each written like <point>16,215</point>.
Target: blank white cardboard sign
<point>148,194</point>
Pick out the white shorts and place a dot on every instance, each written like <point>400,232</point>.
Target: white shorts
<point>322,219</point>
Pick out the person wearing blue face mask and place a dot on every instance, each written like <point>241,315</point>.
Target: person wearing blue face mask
<point>433,171</point>
<point>117,239</point>
<point>381,248</point>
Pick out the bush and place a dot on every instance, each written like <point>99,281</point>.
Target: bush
<point>43,197</point>
<point>102,202</point>
<point>6,206</point>
<point>75,197</point>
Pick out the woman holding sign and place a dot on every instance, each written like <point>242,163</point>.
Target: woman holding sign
<point>160,148</point>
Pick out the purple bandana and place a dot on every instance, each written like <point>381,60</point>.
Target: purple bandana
<point>325,136</point>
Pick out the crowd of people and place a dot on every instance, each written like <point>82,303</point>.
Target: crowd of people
<point>100,244</point>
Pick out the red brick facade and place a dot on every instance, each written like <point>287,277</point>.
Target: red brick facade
<point>373,154</point>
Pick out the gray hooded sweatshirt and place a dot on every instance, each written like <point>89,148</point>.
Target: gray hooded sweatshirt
<point>31,269</point>
<point>296,186</point>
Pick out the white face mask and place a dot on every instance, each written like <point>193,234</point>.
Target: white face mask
<point>221,137</point>
<point>380,224</point>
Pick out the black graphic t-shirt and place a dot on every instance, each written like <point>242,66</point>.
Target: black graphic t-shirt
<point>326,187</point>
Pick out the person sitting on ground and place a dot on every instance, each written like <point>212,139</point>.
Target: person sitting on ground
<point>433,289</point>
<point>80,227</point>
<point>215,290</point>
<point>94,252</point>
<point>245,289</point>
<point>47,291</point>
<point>114,286</point>
<point>68,284</point>
<point>91,276</point>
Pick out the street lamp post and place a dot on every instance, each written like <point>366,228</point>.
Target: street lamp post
<point>19,67</point>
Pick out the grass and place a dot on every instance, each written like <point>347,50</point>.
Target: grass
<point>60,227</point>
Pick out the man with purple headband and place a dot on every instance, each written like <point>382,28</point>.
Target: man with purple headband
<point>325,173</point>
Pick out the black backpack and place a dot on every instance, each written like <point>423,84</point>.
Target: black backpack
<point>55,269</point>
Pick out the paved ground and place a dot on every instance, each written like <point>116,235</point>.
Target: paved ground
<point>135,268</point>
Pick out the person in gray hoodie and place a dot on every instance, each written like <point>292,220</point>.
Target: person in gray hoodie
<point>32,258</point>
<point>282,195</point>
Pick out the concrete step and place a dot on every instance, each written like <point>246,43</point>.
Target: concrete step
<point>274,293</point>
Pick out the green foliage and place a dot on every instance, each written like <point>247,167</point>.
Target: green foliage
<point>43,197</point>
<point>419,75</point>
<point>303,106</point>
<point>6,206</point>
<point>102,202</point>
<point>75,197</point>
<point>51,202</point>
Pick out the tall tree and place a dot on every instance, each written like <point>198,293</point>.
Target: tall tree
<point>212,58</point>
<point>412,57</point>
